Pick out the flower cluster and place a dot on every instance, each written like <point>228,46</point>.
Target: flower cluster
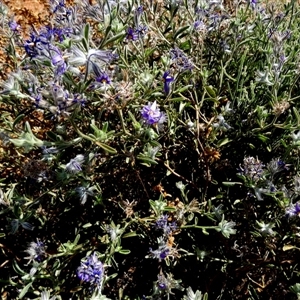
<point>163,224</point>
<point>252,168</point>
<point>163,251</point>
<point>91,271</point>
<point>167,283</point>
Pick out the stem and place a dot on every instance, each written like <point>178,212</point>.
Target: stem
<point>199,227</point>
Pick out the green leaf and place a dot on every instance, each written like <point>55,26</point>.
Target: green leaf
<point>190,295</point>
<point>17,268</point>
<point>146,160</point>
<point>295,288</point>
<point>263,138</point>
<point>86,33</point>
<point>107,148</point>
<point>229,183</point>
<point>223,142</point>
<point>18,119</point>
<point>27,140</point>
<point>114,38</point>
<point>25,290</point>
<point>124,251</point>
<point>288,247</point>
<point>129,234</point>
<point>183,89</point>
<point>85,44</point>
<point>181,32</point>
<point>211,91</point>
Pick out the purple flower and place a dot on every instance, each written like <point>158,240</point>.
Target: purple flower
<point>276,165</point>
<point>74,166</point>
<point>58,61</point>
<point>57,6</point>
<point>131,34</point>
<point>137,15</point>
<point>161,253</point>
<point>79,100</point>
<point>293,210</point>
<point>152,115</point>
<point>167,81</point>
<point>14,26</point>
<point>33,45</point>
<point>103,78</point>
<point>163,224</point>
<point>162,282</point>
<point>141,30</point>
<point>199,25</point>
<point>180,60</point>
<point>91,270</point>
<point>253,3</point>
<point>252,168</point>
<point>36,251</point>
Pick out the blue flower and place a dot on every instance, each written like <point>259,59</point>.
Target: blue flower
<point>91,270</point>
<point>168,79</point>
<point>152,114</point>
